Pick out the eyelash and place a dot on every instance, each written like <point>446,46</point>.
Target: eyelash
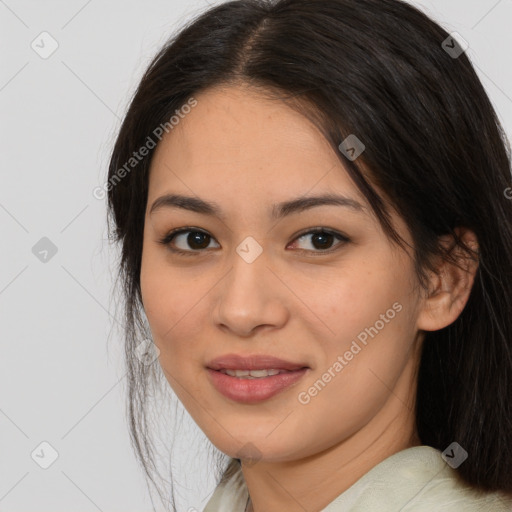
<point>169,237</point>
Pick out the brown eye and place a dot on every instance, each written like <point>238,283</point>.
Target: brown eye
<point>197,240</point>
<point>321,240</point>
<point>187,240</point>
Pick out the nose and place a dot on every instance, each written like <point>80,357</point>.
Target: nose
<point>250,298</point>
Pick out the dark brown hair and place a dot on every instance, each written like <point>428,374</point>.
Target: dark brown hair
<point>434,146</point>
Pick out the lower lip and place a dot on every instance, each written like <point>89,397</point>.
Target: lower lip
<point>251,391</point>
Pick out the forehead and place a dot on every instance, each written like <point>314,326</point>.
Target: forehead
<point>237,139</point>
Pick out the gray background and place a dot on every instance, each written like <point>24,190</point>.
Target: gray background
<point>60,381</point>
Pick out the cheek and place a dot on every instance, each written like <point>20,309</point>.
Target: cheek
<point>172,317</point>
<point>354,298</point>
<point>369,315</point>
<point>162,304</point>
<point>173,306</point>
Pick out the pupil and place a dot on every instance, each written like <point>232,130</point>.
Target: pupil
<point>195,238</point>
<point>321,236</point>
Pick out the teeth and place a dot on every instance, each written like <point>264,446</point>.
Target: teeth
<point>251,374</point>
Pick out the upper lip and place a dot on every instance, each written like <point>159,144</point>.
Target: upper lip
<point>252,362</point>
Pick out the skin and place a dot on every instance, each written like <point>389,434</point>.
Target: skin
<point>245,153</point>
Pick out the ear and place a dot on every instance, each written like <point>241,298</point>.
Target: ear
<point>450,285</point>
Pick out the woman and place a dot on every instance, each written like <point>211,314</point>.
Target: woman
<point>311,201</point>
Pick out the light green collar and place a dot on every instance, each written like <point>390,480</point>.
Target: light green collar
<point>416,479</point>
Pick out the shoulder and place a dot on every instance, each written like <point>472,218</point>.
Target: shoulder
<point>416,480</point>
<point>445,491</point>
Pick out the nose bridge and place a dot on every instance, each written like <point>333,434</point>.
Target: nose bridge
<point>247,276</point>
<point>246,298</point>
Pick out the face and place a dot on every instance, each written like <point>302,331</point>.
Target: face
<point>316,284</point>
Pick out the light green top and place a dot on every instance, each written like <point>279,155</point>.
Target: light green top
<point>413,480</point>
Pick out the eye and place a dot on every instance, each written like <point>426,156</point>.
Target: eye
<point>321,240</point>
<point>198,240</point>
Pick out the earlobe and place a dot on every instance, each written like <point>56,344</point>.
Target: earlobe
<point>450,286</point>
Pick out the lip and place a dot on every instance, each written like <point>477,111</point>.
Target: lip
<point>253,362</point>
<point>250,391</point>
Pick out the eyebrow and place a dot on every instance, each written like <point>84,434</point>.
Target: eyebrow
<point>278,211</point>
